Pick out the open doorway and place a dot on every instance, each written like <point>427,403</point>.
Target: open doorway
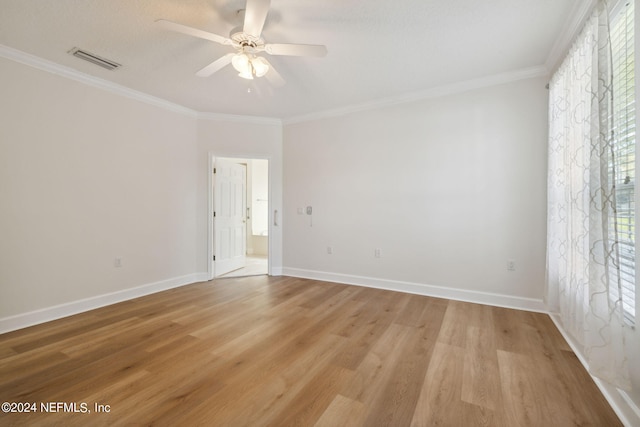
<point>240,202</point>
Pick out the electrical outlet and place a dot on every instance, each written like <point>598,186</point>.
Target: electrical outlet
<point>329,250</point>
<point>511,265</point>
<point>377,252</point>
<point>300,211</point>
<point>309,210</point>
<point>117,263</point>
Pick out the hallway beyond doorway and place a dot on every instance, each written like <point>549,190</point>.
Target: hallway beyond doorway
<point>256,265</point>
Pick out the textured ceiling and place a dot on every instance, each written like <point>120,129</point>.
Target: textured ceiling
<point>378,49</point>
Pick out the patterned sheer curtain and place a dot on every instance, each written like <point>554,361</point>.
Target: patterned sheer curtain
<point>582,254</point>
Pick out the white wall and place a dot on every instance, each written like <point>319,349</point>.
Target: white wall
<point>448,188</point>
<point>87,176</point>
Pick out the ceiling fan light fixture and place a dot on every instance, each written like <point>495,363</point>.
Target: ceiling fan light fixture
<point>249,66</point>
<point>247,74</point>
<point>260,66</point>
<point>241,63</point>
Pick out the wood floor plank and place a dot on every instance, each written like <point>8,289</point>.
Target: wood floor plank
<point>33,336</point>
<point>481,379</point>
<point>474,415</point>
<point>510,331</point>
<point>440,394</point>
<point>342,412</point>
<point>378,365</point>
<point>396,401</point>
<point>23,365</point>
<point>285,351</point>
<point>454,324</point>
<point>313,400</point>
<point>412,313</point>
<point>40,378</point>
<point>268,388</point>
<point>370,325</point>
<point>6,352</point>
<point>523,390</point>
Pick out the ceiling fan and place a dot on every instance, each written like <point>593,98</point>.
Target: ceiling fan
<point>248,43</point>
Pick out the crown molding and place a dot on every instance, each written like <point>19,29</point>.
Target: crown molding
<point>435,92</point>
<point>257,120</point>
<point>69,73</point>
<point>578,16</point>
<point>439,91</point>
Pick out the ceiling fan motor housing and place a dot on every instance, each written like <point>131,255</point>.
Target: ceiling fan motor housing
<point>247,42</point>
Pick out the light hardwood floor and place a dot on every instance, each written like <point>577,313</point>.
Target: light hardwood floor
<point>278,351</point>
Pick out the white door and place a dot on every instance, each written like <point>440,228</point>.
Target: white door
<point>229,218</point>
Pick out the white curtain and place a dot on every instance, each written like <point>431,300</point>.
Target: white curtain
<point>582,256</point>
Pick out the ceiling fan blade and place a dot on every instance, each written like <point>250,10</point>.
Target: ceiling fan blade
<point>296,49</point>
<point>216,65</point>
<point>190,31</point>
<point>254,16</point>
<point>274,76</point>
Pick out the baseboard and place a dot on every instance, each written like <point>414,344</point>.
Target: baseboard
<point>625,408</point>
<point>48,314</point>
<point>499,300</point>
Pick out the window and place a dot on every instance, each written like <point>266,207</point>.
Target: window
<point>624,134</point>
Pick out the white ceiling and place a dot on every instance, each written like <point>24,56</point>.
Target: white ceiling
<point>378,49</point>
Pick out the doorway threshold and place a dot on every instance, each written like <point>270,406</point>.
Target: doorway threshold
<point>255,266</point>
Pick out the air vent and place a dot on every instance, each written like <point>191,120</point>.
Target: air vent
<point>94,59</point>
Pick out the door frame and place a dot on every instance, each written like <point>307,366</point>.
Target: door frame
<point>210,226</point>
